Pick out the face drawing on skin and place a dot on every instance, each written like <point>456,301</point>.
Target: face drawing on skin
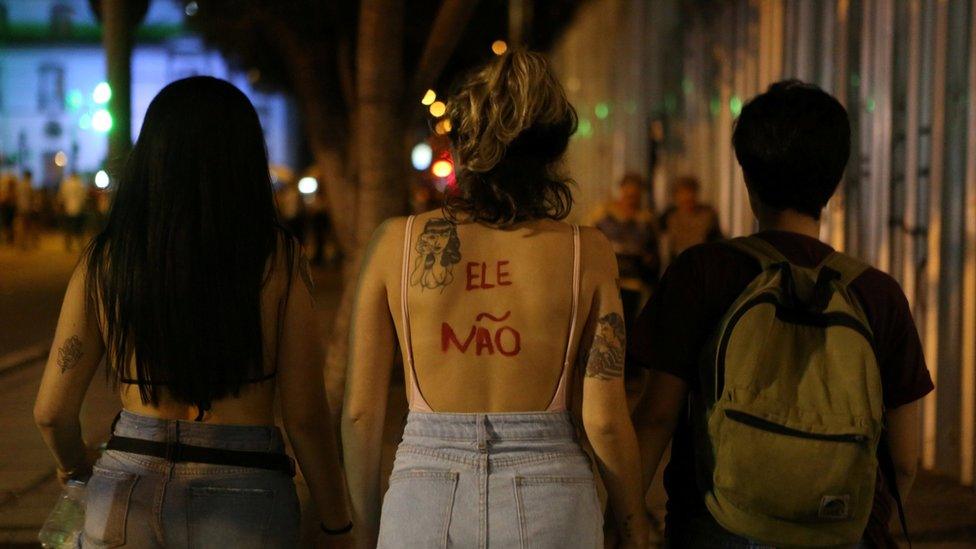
<point>438,250</point>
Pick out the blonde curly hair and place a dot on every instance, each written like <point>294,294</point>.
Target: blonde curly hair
<point>510,125</point>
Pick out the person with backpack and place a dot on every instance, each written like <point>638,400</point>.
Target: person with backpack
<point>786,375</point>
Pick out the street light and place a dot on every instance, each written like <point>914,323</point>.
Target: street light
<point>308,185</point>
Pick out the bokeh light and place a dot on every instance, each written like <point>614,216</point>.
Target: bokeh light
<point>438,108</point>
<point>421,156</point>
<point>442,168</point>
<point>308,185</point>
<point>102,93</point>
<point>101,179</point>
<point>429,97</point>
<point>60,159</point>
<point>101,121</point>
<point>498,47</point>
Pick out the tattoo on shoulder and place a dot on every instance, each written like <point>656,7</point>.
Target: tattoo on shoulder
<point>438,251</point>
<point>69,354</point>
<point>606,358</point>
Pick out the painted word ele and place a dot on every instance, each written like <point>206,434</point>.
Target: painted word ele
<point>507,340</point>
<point>479,278</point>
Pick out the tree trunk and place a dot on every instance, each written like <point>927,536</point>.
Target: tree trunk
<point>379,149</point>
<point>117,30</point>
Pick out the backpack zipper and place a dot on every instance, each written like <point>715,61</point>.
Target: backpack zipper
<point>766,425</point>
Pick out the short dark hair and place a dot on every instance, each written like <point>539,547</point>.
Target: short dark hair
<point>793,142</point>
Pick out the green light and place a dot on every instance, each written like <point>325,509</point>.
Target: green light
<point>74,100</point>
<point>871,105</point>
<point>102,93</point>
<point>715,106</point>
<point>101,121</point>
<point>585,128</point>
<point>735,105</point>
<point>602,110</point>
<point>85,121</point>
<point>687,86</point>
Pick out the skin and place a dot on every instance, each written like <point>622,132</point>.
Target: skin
<point>655,421</point>
<point>539,255</point>
<point>79,347</point>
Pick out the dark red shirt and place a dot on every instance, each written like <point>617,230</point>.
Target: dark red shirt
<point>694,295</point>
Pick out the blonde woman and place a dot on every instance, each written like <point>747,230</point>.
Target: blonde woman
<point>494,302</point>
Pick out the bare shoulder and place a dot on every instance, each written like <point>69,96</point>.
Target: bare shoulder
<point>596,250</point>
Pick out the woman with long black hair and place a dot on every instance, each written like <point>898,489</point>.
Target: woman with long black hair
<point>201,305</point>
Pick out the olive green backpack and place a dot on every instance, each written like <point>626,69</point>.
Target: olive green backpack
<point>790,414</point>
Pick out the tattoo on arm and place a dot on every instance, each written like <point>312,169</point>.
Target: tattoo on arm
<point>438,251</point>
<point>69,354</point>
<point>605,359</point>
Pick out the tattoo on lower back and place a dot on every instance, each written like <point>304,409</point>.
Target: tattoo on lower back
<point>605,359</point>
<point>69,354</point>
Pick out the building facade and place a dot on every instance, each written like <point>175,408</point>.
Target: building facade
<point>52,61</point>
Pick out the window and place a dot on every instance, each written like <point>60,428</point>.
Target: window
<point>50,88</point>
<point>61,14</point>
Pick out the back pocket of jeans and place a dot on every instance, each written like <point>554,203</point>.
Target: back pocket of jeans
<point>558,512</point>
<point>417,509</point>
<point>228,517</point>
<point>107,507</point>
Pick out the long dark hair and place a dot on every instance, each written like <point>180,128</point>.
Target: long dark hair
<point>510,125</point>
<point>177,272</point>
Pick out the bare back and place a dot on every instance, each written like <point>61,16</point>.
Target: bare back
<point>490,313</point>
<point>254,405</point>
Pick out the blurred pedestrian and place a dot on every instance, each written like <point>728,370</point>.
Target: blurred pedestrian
<point>201,307</point>
<point>688,222</point>
<point>27,215</point>
<point>8,206</point>
<point>631,229</point>
<point>291,208</point>
<point>73,197</point>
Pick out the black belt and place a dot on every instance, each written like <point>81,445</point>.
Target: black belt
<point>176,452</point>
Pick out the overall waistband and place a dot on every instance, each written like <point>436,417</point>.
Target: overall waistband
<point>520,426</point>
<point>247,438</point>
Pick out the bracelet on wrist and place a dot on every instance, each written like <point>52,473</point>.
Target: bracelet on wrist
<point>337,532</point>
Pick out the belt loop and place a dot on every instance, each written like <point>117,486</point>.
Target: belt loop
<point>482,432</point>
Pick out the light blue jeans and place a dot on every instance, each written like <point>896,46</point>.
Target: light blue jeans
<point>491,480</point>
<point>140,501</point>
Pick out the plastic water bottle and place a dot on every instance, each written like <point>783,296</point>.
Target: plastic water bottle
<point>67,519</point>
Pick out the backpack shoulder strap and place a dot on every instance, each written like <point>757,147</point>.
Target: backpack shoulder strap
<point>764,252</point>
<point>848,268</point>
